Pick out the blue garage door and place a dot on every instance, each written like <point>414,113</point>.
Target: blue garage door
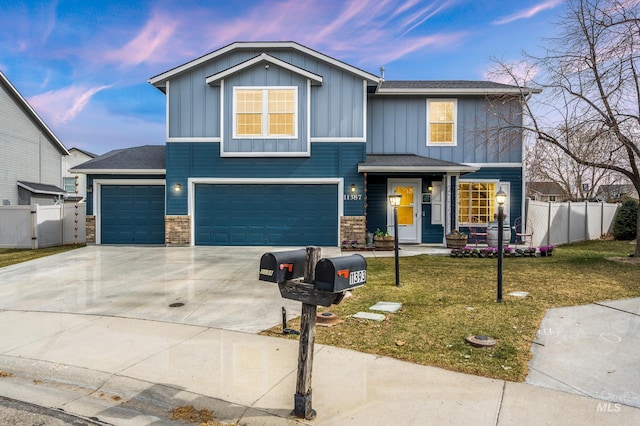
<point>132,214</point>
<point>266,215</point>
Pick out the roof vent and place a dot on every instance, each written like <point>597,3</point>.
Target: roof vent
<point>382,73</point>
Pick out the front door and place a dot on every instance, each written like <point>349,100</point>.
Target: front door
<point>409,212</point>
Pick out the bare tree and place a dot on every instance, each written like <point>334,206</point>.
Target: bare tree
<point>589,76</point>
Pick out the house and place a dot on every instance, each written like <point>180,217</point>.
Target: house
<point>546,191</point>
<point>32,157</point>
<point>274,143</point>
<point>75,184</point>
<point>616,193</point>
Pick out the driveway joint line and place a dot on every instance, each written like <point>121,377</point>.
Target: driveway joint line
<point>616,309</point>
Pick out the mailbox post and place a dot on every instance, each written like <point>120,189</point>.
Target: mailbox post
<point>325,282</point>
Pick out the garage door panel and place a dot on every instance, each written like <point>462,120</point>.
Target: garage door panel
<point>132,214</point>
<point>266,214</point>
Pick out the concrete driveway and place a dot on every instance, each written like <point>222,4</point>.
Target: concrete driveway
<point>218,285</point>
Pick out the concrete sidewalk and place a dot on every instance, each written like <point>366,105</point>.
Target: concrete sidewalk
<point>133,372</point>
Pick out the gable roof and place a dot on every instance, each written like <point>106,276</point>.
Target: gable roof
<point>263,57</point>
<point>87,153</point>
<point>410,163</point>
<point>21,101</point>
<point>545,188</point>
<point>160,80</point>
<point>41,188</point>
<point>147,159</point>
<point>450,87</point>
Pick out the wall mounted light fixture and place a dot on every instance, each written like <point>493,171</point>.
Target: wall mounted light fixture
<point>353,187</point>
<point>177,187</point>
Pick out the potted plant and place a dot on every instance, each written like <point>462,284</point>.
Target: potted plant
<point>456,239</point>
<point>546,250</point>
<point>383,240</point>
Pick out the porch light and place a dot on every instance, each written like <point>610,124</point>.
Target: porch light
<point>394,200</point>
<point>177,187</point>
<point>501,197</point>
<point>353,187</point>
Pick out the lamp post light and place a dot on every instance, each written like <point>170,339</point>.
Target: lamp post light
<point>501,197</point>
<point>394,200</point>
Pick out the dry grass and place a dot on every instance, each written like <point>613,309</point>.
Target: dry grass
<point>204,417</point>
<point>447,299</point>
<point>13,256</point>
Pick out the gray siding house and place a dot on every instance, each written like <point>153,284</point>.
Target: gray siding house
<point>31,164</point>
<point>274,143</point>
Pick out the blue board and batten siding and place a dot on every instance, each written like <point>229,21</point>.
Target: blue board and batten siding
<point>337,106</point>
<point>398,125</point>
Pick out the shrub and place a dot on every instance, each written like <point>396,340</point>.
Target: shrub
<point>626,220</point>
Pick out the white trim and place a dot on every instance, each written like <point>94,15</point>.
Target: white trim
<point>495,165</point>
<point>197,139</point>
<point>167,112</point>
<point>364,110</point>
<point>121,171</point>
<point>455,123</point>
<point>192,182</point>
<point>309,116</point>
<point>457,92</point>
<point>417,205</point>
<point>233,154</point>
<point>222,117</point>
<point>345,139</point>
<point>97,189</point>
<point>264,112</point>
<point>438,169</point>
<point>215,78</point>
<point>165,76</point>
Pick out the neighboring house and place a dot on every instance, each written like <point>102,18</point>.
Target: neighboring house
<point>273,143</point>
<point>546,191</point>
<point>616,193</point>
<point>32,159</point>
<point>75,184</point>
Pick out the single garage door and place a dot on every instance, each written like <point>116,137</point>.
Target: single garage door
<point>266,215</point>
<point>132,214</point>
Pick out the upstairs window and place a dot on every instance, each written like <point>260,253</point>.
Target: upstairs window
<point>70,184</point>
<point>441,122</point>
<point>265,112</point>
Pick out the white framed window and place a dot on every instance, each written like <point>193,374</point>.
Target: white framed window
<point>442,115</point>
<point>477,201</point>
<point>265,112</point>
<point>70,184</point>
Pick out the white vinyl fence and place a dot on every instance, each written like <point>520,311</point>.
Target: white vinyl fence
<point>36,226</point>
<point>569,222</point>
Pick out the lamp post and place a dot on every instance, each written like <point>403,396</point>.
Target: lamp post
<point>394,200</point>
<point>501,197</point>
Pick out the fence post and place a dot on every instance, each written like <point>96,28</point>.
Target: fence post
<point>34,226</point>
<point>549,223</point>
<point>569,208</point>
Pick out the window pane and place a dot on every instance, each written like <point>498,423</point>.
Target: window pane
<point>281,124</point>
<point>281,100</point>
<point>70,184</point>
<point>442,133</point>
<point>249,124</point>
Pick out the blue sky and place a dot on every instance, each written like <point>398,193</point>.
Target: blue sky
<point>83,65</point>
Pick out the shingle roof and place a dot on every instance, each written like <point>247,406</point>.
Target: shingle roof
<point>409,162</point>
<point>140,159</point>
<point>546,188</point>
<point>41,188</point>
<point>449,87</point>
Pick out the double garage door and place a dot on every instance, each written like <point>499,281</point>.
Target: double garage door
<point>266,214</point>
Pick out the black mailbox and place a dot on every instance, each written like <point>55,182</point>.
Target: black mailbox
<point>338,274</point>
<point>282,266</point>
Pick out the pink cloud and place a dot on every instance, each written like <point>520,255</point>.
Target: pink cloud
<point>528,13</point>
<point>146,45</point>
<point>61,106</point>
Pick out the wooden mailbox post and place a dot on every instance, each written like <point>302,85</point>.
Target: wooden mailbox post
<point>339,275</point>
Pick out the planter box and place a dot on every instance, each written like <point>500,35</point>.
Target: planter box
<point>456,241</point>
<point>384,243</point>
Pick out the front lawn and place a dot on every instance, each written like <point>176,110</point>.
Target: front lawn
<point>446,299</point>
<point>13,256</point>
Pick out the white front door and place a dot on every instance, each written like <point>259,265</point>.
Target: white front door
<point>409,211</point>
